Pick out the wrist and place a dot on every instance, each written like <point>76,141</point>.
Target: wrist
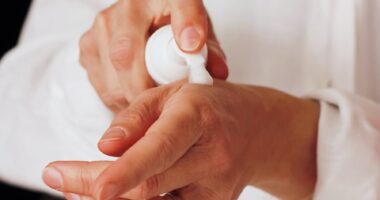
<point>283,149</point>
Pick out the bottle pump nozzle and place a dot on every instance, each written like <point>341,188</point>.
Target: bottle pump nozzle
<point>167,63</point>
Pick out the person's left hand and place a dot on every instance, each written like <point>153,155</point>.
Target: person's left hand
<point>201,142</point>
<point>113,51</point>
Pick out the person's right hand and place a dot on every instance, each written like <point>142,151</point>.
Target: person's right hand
<point>113,50</point>
<point>201,143</point>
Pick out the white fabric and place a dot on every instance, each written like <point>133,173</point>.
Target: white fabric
<point>48,108</point>
<point>348,147</point>
<point>49,111</point>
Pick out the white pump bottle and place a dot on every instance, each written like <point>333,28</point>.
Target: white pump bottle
<point>166,63</point>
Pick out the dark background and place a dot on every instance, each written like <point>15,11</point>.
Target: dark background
<point>12,16</point>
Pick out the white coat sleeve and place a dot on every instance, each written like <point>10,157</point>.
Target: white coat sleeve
<point>348,151</point>
<point>48,109</point>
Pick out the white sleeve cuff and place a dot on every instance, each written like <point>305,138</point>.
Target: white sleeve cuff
<point>348,152</point>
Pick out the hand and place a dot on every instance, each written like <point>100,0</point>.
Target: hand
<point>113,50</point>
<point>202,142</point>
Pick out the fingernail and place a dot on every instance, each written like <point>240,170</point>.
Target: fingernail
<point>71,196</point>
<point>113,134</point>
<point>52,178</point>
<point>190,39</point>
<point>108,192</point>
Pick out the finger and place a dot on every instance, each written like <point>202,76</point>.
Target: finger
<point>73,176</point>
<point>216,65</point>
<point>79,177</point>
<point>77,197</point>
<point>88,50</point>
<point>165,142</point>
<point>100,71</point>
<point>114,99</point>
<point>86,198</point>
<point>128,127</point>
<point>132,123</point>
<point>127,47</point>
<point>198,191</point>
<point>194,191</point>
<point>71,196</point>
<point>190,25</point>
<point>189,169</point>
<point>167,196</point>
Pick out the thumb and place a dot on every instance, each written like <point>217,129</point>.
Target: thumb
<point>190,24</point>
<point>73,176</point>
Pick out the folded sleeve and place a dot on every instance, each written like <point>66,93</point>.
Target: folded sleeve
<point>48,109</point>
<point>348,152</point>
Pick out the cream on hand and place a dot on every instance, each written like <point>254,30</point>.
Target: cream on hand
<point>167,63</point>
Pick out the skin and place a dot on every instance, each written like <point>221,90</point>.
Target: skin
<point>198,142</point>
<point>203,142</point>
<point>113,50</point>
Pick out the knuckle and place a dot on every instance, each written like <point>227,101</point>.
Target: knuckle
<point>124,2</point>
<point>101,17</point>
<point>122,53</point>
<point>86,43</point>
<point>107,100</point>
<point>148,94</point>
<point>202,191</point>
<point>110,105</point>
<point>207,111</point>
<point>101,20</point>
<point>127,4</point>
<point>134,114</point>
<point>84,179</point>
<point>167,146</point>
<point>210,194</point>
<point>83,62</point>
<point>149,187</point>
<point>88,50</point>
<point>113,100</point>
<point>223,159</point>
<point>214,46</point>
<point>153,95</point>
<point>85,40</point>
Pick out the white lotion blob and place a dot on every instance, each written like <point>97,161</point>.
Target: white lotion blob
<point>166,63</point>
